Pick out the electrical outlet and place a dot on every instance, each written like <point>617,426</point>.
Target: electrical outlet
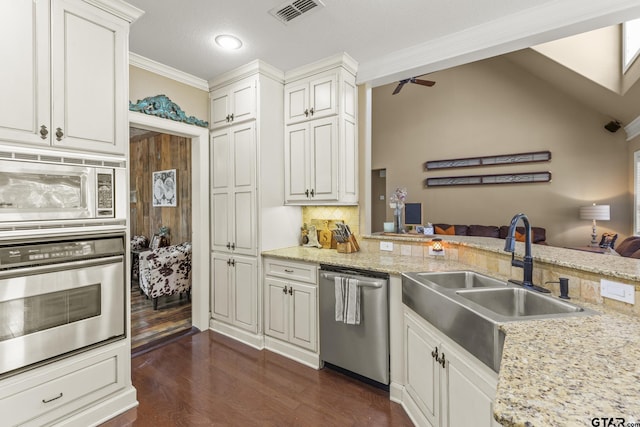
<point>617,291</point>
<point>386,246</point>
<point>436,253</point>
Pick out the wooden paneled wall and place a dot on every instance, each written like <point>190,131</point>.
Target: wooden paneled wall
<point>153,152</point>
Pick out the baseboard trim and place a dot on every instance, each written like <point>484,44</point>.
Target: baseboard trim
<point>290,351</point>
<point>146,348</point>
<point>248,338</point>
<point>103,411</point>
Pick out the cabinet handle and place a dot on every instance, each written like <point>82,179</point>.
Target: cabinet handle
<point>229,262</point>
<point>288,271</point>
<point>52,399</point>
<point>284,291</point>
<point>311,111</point>
<point>306,113</point>
<point>441,360</point>
<point>233,246</point>
<point>306,192</point>
<point>312,193</point>
<point>228,245</point>
<point>233,262</point>
<point>43,132</point>
<point>59,134</point>
<point>290,290</point>
<point>434,353</point>
<point>227,118</point>
<point>231,117</point>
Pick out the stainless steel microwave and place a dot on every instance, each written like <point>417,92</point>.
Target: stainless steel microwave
<point>34,191</point>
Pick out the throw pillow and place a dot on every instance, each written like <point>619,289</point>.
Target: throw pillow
<point>483,231</point>
<point>445,229</point>
<point>519,236</point>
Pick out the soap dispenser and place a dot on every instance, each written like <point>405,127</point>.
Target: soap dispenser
<point>564,287</point>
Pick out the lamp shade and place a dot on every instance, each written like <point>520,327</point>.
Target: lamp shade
<point>597,212</point>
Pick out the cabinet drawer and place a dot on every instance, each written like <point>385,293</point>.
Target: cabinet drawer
<point>302,272</point>
<point>89,382</point>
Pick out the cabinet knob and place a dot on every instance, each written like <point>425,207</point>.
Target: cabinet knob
<point>290,290</point>
<point>284,290</point>
<point>43,132</point>
<point>311,111</point>
<point>59,134</point>
<point>306,112</point>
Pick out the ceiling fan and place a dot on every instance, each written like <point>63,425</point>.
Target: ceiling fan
<point>413,80</point>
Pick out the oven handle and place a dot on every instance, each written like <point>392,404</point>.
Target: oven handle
<point>361,283</point>
<point>73,265</point>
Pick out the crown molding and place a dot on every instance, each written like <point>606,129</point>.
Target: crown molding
<point>633,129</point>
<point>167,71</point>
<point>340,60</point>
<point>256,66</point>
<point>549,21</point>
<point>118,8</point>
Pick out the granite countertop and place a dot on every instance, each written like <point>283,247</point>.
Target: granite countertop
<point>553,372</point>
<point>610,265</point>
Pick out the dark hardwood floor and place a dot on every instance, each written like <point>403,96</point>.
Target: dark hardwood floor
<point>208,379</point>
<point>148,325</point>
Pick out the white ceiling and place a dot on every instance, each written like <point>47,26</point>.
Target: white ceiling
<point>390,39</point>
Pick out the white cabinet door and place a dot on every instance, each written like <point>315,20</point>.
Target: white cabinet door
<point>233,189</point>
<point>296,163</point>
<point>221,287</point>
<point>466,396</point>
<point>24,49</point>
<point>245,292</point>
<point>323,140</point>
<point>303,315</point>
<point>422,373</point>
<point>323,94</point>
<point>276,308</point>
<point>311,98</point>
<point>89,69</point>
<point>233,104</point>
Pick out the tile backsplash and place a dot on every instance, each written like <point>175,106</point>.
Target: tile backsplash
<point>349,214</point>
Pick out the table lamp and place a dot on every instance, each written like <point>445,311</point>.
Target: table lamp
<point>595,212</point>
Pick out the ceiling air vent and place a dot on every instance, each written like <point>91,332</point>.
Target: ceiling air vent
<point>291,10</point>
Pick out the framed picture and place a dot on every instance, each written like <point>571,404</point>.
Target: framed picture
<point>164,188</point>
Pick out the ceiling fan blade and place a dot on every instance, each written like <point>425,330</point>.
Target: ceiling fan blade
<point>399,87</point>
<point>423,82</point>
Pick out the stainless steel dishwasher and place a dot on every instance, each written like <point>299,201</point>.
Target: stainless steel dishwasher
<point>364,348</point>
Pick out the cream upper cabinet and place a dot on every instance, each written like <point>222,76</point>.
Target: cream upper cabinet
<point>233,189</point>
<point>311,98</point>
<point>234,103</point>
<point>68,78</point>
<point>321,139</point>
<point>445,386</point>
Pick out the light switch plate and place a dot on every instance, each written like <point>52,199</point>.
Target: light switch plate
<point>617,291</point>
<point>386,246</point>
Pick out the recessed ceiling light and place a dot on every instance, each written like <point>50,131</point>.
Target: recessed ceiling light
<point>229,42</point>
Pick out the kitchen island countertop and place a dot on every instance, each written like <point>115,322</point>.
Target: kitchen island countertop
<point>553,372</point>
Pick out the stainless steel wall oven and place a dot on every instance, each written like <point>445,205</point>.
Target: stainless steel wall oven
<point>59,296</point>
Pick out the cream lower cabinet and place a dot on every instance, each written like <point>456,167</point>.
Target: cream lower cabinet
<point>291,309</point>
<point>444,384</point>
<point>234,291</point>
<point>290,312</point>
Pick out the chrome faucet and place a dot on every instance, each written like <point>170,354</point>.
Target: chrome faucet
<point>510,246</point>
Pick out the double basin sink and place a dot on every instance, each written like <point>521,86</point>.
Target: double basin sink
<point>469,307</point>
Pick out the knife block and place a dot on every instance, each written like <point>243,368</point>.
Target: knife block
<point>344,248</point>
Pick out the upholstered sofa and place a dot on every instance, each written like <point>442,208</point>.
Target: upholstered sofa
<point>629,247</point>
<point>539,234</point>
<point>166,271</point>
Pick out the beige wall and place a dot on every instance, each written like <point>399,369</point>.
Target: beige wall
<point>495,107</point>
<point>193,101</point>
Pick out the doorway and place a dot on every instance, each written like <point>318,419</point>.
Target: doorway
<point>378,199</point>
<point>199,220</point>
<point>155,154</point>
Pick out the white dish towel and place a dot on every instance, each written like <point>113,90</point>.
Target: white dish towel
<point>347,300</point>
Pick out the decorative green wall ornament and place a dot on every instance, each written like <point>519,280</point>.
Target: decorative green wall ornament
<point>162,106</point>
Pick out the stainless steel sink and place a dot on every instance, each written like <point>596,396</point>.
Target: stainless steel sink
<point>469,308</point>
<point>518,302</point>
<point>459,279</point>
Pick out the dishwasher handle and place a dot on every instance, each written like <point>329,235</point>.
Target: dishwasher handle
<point>361,283</point>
